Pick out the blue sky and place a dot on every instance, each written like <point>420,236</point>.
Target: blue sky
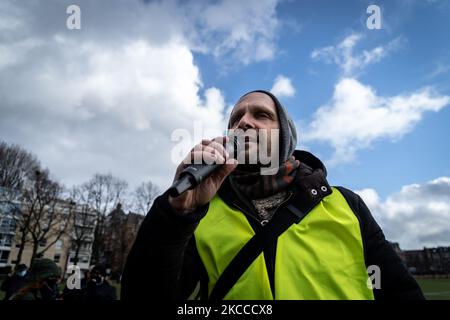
<point>386,165</point>
<point>372,104</point>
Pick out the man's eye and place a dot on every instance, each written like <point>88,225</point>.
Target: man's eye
<point>262,115</point>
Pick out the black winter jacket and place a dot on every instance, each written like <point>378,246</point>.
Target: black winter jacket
<point>164,263</point>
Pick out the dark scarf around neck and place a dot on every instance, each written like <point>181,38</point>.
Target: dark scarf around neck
<point>254,185</point>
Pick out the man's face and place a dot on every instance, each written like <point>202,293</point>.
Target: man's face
<point>255,111</point>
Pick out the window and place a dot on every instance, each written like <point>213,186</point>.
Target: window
<point>56,258</point>
<point>12,225</point>
<point>86,246</point>
<point>43,242</point>
<point>59,244</point>
<point>5,240</point>
<point>4,223</point>
<point>7,225</point>
<point>4,255</point>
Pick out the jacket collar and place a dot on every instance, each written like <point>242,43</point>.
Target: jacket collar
<point>309,187</point>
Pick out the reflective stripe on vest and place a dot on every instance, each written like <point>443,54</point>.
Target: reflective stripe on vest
<point>322,257</point>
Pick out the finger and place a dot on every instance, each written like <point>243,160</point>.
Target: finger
<point>207,155</point>
<point>221,140</point>
<point>207,152</point>
<point>212,157</point>
<point>194,156</point>
<point>220,149</point>
<point>200,145</point>
<point>205,143</point>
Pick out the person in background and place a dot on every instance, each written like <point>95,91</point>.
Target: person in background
<point>41,283</point>
<point>14,282</point>
<point>98,288</point>
<point>74,294</point>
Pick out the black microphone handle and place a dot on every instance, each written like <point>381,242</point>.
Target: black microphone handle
<point>191,177</point>
<point>194,174</point>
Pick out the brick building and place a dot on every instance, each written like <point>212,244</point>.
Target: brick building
<point>427,261</point>
<point>120,232</point>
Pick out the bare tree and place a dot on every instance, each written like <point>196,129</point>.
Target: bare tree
<point>143,197</point>
<point>17,169</point>
<point>104,192</point>
<point>44,215</point>
<point>23,222</point>
<point>17,166</point>
<point>83,221</point>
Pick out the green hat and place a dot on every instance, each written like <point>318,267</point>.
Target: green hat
<point>42,269</point>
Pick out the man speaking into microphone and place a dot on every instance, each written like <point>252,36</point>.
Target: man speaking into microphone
<point>261,230</point>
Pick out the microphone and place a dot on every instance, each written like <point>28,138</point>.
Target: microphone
<point>194,174</point>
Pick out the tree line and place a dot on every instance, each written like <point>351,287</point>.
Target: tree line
<point>40,223</point>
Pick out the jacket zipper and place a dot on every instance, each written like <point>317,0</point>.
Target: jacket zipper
<point>247,213</point>
<point>264,222</point>
<point>284,201</point>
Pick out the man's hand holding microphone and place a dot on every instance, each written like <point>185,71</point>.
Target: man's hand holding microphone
<point>196,184</point>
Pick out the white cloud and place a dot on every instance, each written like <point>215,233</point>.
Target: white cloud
<point>117,115</point>
<point>356,117</point>
<point>243,29</point>
<point>440,69</point>
<point>416,216</point>
<point>282,87</point>
<point>342,54</point>
<point>106,98</point>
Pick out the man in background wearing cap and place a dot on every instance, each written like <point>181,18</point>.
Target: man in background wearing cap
<point>98,288</point>
<point>41,283</point>
<point>241,234</point>
<point>14,282</point>
<point>93,287</point>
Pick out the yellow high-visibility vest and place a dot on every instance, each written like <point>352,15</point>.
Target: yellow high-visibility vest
<point>322,257</point>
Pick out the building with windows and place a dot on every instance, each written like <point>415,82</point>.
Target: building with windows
<point>428,261</point>
<point>81,237</point>
<point>70,239</point>
<point>10,209</point>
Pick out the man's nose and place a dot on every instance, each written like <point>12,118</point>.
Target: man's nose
<point>246,122</point>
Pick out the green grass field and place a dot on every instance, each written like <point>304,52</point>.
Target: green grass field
<point>434,289</point>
